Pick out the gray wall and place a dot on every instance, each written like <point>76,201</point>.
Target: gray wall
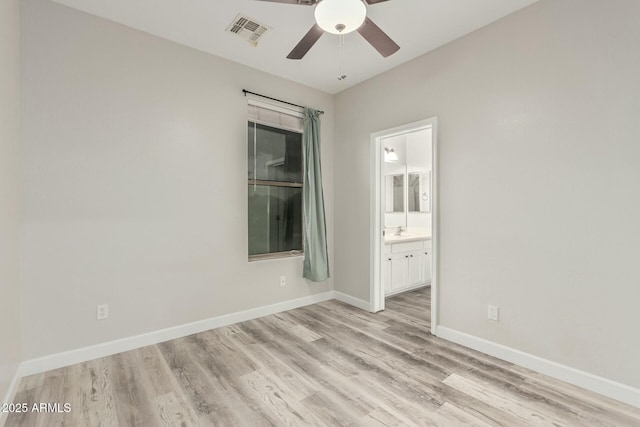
<point>539,120</point>
<point>135,183</point>
<point>9,202</point>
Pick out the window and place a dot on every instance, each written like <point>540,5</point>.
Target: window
<point>275,184</point>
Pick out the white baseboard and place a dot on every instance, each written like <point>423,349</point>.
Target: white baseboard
<point>60,360</point>
<point>11,393</point>
<point>348,299</point>
<point>600,385</point>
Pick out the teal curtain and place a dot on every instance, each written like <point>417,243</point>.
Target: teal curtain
<point>316,258</point>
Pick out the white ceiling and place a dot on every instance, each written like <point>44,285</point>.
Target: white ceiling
<point>418,26</point>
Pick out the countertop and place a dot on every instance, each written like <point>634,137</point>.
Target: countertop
<point>405,237</point>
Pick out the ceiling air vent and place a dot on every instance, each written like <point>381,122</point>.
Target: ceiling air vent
<point>248,29</point>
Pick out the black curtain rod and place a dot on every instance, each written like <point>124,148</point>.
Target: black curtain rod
<point>274,99</point>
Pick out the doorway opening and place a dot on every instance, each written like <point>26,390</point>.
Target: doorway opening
<point>404,213</point>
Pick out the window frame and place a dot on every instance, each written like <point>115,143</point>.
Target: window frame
<point>295,253</point>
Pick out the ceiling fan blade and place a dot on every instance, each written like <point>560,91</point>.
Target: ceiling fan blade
<point>300,2</point>
<point>306,43</point>
<point>374,1</point>
<point>378,38</point>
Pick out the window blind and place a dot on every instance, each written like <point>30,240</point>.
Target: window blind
<point>275,115</point>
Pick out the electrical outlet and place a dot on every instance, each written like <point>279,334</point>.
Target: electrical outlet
<point>493,312</point>
<point>283,281</point>
<point>102,311</point>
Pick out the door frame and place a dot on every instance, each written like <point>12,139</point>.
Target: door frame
<point>377,213</point>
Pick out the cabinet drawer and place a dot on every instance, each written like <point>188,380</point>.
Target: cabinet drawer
<point>406,247</point>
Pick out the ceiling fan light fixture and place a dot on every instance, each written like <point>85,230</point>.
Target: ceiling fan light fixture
<point>340,16</point>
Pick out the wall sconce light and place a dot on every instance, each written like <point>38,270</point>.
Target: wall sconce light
<point>390,155</point>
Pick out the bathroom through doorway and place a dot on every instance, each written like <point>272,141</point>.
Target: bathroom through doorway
<point>404,214</point>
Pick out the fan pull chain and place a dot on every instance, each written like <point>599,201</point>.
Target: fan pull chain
<point>342,75</point>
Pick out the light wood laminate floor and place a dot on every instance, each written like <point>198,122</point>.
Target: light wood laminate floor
<point>323,365</point>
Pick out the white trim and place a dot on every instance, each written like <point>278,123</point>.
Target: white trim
<point>435,227</point>
<point>376,292</point>
<point>60,360</point>
<point>11,392</point>
<point>348,299</point>
<point>609,388</point>
<point>377,295</point>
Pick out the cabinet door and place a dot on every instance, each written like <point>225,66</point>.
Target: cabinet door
<point>427,265</point>
<point>416,267</point>
<point>399,267</point>
<point>386,273</point>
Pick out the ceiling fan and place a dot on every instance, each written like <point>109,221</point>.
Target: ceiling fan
<point>341,17</point>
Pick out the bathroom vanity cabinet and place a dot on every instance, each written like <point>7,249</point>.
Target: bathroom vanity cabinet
<point>407,266</point>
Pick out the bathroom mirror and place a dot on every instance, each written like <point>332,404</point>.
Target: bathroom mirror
<point>413,186</point>
<point>394,193</point>
<point>419,192</point>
